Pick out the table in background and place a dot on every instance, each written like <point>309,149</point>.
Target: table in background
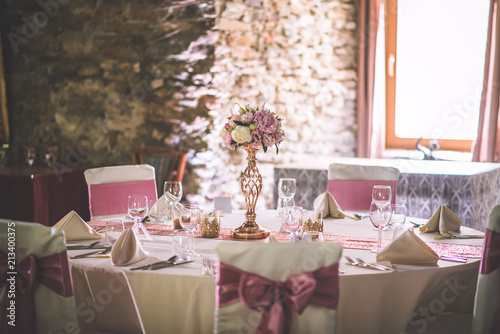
<point>470,189</point>
<point>181,300</point>
<point>42,194</point>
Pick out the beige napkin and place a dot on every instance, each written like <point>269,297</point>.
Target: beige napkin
<point>75,228</point>
<point>408,248</point>
<point>161,205</point>
<point>443,221</point>
<point>328,205</point>
<point>127,249</point>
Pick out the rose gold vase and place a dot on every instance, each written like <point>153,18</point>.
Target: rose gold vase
<point>251,185</point>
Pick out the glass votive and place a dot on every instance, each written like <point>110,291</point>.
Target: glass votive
<point>312,221</point>
<point>400,229</point>
<point>210,224</point>
<point>181,244</point>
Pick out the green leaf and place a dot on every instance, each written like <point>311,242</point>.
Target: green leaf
<point>240,123</point>
<point>277,149</point>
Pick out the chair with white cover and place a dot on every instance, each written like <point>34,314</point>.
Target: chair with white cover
<point>352,185</point>
<point>37,291</point>
<point>486,317</point>
<point>109,188</point>
<point>105,301</point>
<point>277,287</point>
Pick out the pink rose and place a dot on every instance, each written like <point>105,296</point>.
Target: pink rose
<point>265,122</point>
<point>268,140</point>
<point>227,141</point>
<point>247,118</point>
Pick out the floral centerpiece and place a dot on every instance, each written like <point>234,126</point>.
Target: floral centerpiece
<point>252,129</point>
<point>257,127</point>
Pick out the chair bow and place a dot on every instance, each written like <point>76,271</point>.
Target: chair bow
<point>491,255</point>
<point>51,271</point>
<point>275,300</point>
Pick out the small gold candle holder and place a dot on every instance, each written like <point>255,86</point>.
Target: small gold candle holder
<point>210,225</point>
<point>313,221</point>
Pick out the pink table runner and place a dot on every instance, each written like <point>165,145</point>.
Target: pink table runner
<point>345,241</point>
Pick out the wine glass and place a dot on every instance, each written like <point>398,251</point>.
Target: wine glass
<point>189,217</point>
<point>137,208</point>
<point>381,195</point>
<point>380,216</point>
<point>291,220</point>
<point>173,193</point>
<point>286,192</point>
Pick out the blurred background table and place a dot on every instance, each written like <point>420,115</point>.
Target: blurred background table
<point>42,194</point>
<point>467,188</point>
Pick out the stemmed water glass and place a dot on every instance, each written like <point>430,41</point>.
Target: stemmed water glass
<point>137,208</point>
<point>291,220</point>
<point>173,194</point>
<point>190,218</point>
<point>380,216</point>
<point>286,192</point>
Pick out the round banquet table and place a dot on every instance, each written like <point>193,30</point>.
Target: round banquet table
<point>182,300</point>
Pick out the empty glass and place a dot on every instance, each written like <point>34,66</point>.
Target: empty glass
<point>173,194</point>
<point>291,220</point>
<point>380,216</point>
<point>189,217</point>
<point>137,208</point>
<point>158,210</point>
<point>114,228</point>
<point>381,195</point>
<point>181,244</point>
<point>286,193</point>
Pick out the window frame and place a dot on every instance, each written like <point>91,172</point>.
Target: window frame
<point>391,140</point>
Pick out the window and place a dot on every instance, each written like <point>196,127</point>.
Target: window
<point>433,64</point>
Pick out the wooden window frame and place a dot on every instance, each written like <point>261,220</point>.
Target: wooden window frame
<point>391,140</point>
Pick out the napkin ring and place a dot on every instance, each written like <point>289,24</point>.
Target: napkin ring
<point>210,225</point>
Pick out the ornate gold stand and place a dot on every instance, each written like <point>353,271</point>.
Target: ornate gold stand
<point>251,185</point>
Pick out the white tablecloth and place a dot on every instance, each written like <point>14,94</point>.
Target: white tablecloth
<point>181,300</point>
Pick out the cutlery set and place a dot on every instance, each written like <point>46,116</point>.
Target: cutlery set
<point>361,263</point>
<point>97,252</point>
<point>94,245</point>
<point>162,264</point>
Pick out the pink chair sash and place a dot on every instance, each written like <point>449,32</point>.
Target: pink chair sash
<point>491,253</point>
<point>51,271</point>
<point>357,194</point>
<point>275,300</point>
<point>491,261</point>
<point>111,198</point>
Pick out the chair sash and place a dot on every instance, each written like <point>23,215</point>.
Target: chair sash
<point>357,194</point>
<point>489,263</point>
<point>51,271</point>
<point>276,300</point>
<point>111,198</point>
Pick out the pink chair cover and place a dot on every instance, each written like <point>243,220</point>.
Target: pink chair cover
<point>111,198</point>
<point>51,270</point>
<point>357,194</point>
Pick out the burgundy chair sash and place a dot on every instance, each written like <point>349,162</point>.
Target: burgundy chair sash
<point>51,271</point>
<point>275,300</point>
<point>357,194</point>
<point>111,198</point>
<point>491,253</point>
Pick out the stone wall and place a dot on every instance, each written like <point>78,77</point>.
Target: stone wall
<point>101,78</point>
<point>297,57</point>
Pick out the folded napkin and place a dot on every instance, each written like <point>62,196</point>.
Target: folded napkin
<point>444,221</point>
<point>328,206</point>
<point>161,205</point>
<point>75,228</point>
<point>408,248</point>
<point>127,249</point>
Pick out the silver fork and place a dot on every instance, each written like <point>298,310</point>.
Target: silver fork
<point>351,261</point>
<point>377,266</point>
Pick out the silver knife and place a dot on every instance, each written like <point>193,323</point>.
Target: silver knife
<point>160,266</point>
<point>148,266</point>
<point>101,251</point>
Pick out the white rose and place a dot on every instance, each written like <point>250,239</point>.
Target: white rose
<point>241,134</point>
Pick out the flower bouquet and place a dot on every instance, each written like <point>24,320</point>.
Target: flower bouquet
<point>256,127</point>
<point>252,129</point>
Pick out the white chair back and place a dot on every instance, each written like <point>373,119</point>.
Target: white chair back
<point>109,188</point>
<point>351,185</point>
<point>486,318</point>
<point>275,263</point>
<point>44,301</point>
